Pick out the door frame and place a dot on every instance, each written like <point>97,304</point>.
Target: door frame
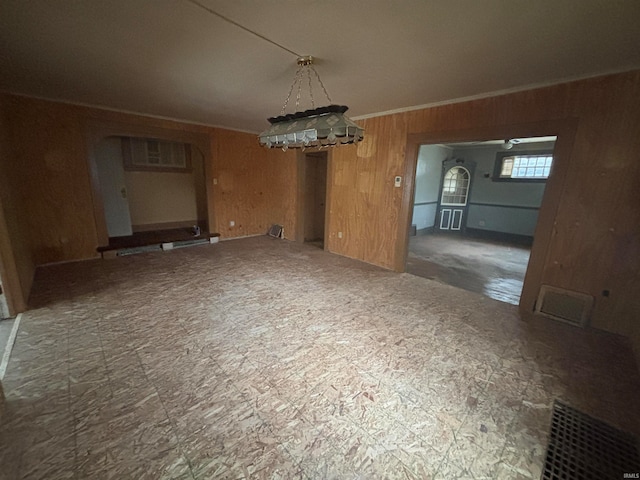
<point>564,130</point>
<point>97,131</point>
<point>11,287</point>
<point>300,210</point>
<point>470,167</point>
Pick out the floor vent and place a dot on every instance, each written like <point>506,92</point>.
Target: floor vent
<point>564,305</point>
<point>276,231</point>
<point>582,447</point>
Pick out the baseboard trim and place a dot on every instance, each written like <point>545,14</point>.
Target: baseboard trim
<point>426,231</point>
<point>514,238</point>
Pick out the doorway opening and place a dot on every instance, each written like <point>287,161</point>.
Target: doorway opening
<point>153,191</point>
<point>475,211</point>
<point>313,198</point>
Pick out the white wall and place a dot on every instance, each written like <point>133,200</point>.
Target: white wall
<point>161,197</point>
<point>428,174</point>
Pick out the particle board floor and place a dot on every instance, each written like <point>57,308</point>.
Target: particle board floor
<point>494,269</point>
<point>262,358</point>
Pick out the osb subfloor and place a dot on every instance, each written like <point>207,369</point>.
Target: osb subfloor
<point>494,269</point>
<point>261,358</point>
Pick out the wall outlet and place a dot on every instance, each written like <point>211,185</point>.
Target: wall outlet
<point>215,181</point>
<point>481,223</point>
<point>232,223</point>
<point>339,234</point>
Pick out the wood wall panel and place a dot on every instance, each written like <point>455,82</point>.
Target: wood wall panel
<point>53,194</point>
<point>589,237</point>
<point>589,219</point>
<point>281,173</point>
<point>16,263</point>
<point>256,187</point>
<point>48,144</point>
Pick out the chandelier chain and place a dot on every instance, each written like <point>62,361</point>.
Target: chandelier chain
<point>320,82</point>
<point>299,90</point>
<point>313,104</point>
<point>297,81</point>
<point>286,102</point>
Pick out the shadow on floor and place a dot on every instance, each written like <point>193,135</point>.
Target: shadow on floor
<point>318,243</point>
<point>491,268</point>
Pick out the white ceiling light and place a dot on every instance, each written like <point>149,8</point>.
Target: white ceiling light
<point>510,142</point>
<point>318,127</point>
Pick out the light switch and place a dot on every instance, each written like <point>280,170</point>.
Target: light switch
<point>398,181</point>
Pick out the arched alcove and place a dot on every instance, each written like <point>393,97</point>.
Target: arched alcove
<point>101,134</point>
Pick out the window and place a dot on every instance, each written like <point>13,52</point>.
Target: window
<point>455,186</point>
<point>523,166</point>
<point>156,155</point>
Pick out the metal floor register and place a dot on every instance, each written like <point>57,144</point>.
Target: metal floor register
<point>584,448</point>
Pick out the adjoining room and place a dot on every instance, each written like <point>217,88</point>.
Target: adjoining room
<point>475,211</point>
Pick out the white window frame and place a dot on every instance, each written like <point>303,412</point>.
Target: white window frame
<point>448,193</point>
<point>538,167</point>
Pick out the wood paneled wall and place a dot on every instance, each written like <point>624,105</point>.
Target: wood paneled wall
<point>255,187</point>
<point>589,238</point>
<point>46,149</point>
<point>16,262</point>
<point>55,195</point>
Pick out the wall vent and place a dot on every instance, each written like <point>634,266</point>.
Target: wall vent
<point>564,305</point>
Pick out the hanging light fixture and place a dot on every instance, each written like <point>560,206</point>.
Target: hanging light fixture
<point>510,142</point>
<point>318,127</point>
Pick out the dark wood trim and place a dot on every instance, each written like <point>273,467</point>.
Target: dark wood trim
<point>327,210</point>
<point>504,237</point>
<point>301,164</point>
<point>426,231</point>
<point>11,285</point>
<point>502,205</point>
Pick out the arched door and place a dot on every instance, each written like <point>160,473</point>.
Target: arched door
<point>454,197</point>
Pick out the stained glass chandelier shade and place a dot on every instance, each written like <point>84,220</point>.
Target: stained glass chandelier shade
<point>317,127</point>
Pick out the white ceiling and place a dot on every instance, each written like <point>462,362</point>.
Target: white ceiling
<point>171,58</point>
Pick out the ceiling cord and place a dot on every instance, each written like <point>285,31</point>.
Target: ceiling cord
<point>228,20</point>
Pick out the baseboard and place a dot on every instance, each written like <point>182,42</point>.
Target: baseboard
<point>426,231</point>
<point>149,227</point>
<point>242,236</point>
<point>513,238</point>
